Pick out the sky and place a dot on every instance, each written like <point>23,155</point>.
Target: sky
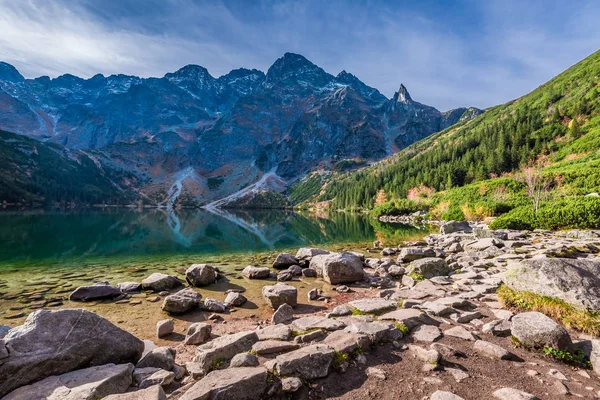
<point>447,53</point>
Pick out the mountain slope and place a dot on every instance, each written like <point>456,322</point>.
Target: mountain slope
<point>222,134</point>
<point>559,121</point>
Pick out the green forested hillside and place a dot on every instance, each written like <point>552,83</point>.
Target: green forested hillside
<point>557,126</point>
<point>36,173</point>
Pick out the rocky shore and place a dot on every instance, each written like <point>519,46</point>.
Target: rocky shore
<point>422,320</point>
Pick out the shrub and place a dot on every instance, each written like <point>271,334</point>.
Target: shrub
<point>396,207</point>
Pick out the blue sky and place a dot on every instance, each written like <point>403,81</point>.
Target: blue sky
<point>447,53</point>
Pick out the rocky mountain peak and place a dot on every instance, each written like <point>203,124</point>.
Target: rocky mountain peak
<point>190,72</point>
<point>402,95</point>
<point>9,73</point>
<point>293,69</point>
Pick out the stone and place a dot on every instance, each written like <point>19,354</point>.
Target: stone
<point>291,384</point>
<point>164,328</point>
<point>235,299</point>
<point>284,276</point>
<point>428,356</point>
<point>309,273</point>
<point>97,291</point>
<point>276,295</point>
<point>273,346</point>
<point>428,267</point>
<point>499,327</point>
<point>396,271</point>
<point>491,350</point>
<point>182,301</point>
<point>4,330</point>
<point>338,268</point>
<point>78,338</point>
<point>317,322</point>
<point>244,360</point>
<point>313,294</point>
<point>198,333</point>
<point>284,260</point>
<point>447,351</point>
<point>252,272</point>
<point>307,253</point>
<point>576,281</point>
<point>296,270</point>
<point>436,308</point>
<point>340,311</point>
<point>152,393</point>
<point>313,336</point>
<point>409,317</point>
<point>84,384</point>
<point>160,357</point>
<point>158,282</point>
<point>230,384</point>
<point>284,313</point>
<point>441,395</point>
<point>408,254</point>
<point>465,317</point>
<point>347,342</point>
<point>408,281</point>
<point>129,287</point>
<point>147,377</point>
<point>377,331</point>
<point>372,306</point>
<point>557,374</point>
<point>513,394</point>
<point>536,330</point>
<point>461,333</point>
<point>376,373</point>
<point>201,275</point>
<point>427,333</point>
<point>483,244</point>
<point>275,332</point>
<point>455,226</point>
<point>311,362</point>
<point>224,348</point>
<point>458,374</point>
<point>213,305</point>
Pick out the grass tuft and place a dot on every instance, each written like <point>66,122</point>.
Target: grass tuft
<point>402,328</point>
<point>576,358</point>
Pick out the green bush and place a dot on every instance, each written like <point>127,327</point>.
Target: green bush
<point>566,213</point>
<point>396,207</point>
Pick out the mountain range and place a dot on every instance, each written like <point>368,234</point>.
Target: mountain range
<point>189,138</point>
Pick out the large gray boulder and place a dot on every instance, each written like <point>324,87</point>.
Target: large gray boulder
<point>276,295</point>
<point>536,330</point>
<point>338,268</point>
<point>429,267</point>
<point>85,384</point>
<point>160,357</point>
<point>97,291</point>
<point>245,383</point>
<point>201,275</point>
<point>284,260</point>
<point>223,349</point>
<point>307,253</point>
<point>198,333</point>
<point>129,287</point>
<point>455,226</point>
<point>309,362</point>
<point>252,272</point>
<point>182,301</point>
<point>158,282</point>
<point>408,254</point>
<point>576,281</point>
<point>55,342</point>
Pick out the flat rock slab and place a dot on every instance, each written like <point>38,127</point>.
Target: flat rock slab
<point>513,394</point>
<point>408,317</point>
<point>317,322</point>
<point>427,333</point>
<point>373,306</point>
<point>273,346</point>
<point>85,384</point>
<point>309,362</point>
<point>152,393</point>
<point>224,348</point>
<point>441,395</point>
<point>274,332</point>
<point>376,330</point>
<point>230,384</point>
<point>347,342</point>
<point>461,333</point>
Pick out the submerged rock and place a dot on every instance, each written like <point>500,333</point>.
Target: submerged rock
<point>78,338</point>
<point>129,287</point>
<point>97,291</point>
<point>158,282</point>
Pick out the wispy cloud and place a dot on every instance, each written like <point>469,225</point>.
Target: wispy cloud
<point>468,53</point>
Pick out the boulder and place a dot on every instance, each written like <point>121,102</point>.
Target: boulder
<point>491,350</point>
<point>164,328</point>
<point>230,384</point>
<point>201,275</point>
<point>84,384</point>
<point>160,357</point>
<point>309,273</point>
<point>276,332</point>
<point>429,267</point>
<point>252,272</point>
<point>285,260</point>
<point>152,393</point>
<point>182,301</point>
<point>129,287</point>
<point>312,322</point>
<point>284,313</point>
<point>97,291</point>
<point>408,254</point>
<point>235,299</point>
<point>244,360</point>
<point>147,377</point>
<point>213,305</point>
<point>276,295</point>
<point>55,342</point>
<point>273,346</point>
<point>338,268</point>
<point>576,281</point>
<point>536,330</point>
<point>158,282</point>
<point>309,362</point>
<point>455,226</point>
<point>373,306</point>
<point>483,244</point>
<point>284,276</point>
<point>347,342</point>
<point>4,330</point>
<point>224,348</point>
<point>307,253</point>
<point>198,333</point>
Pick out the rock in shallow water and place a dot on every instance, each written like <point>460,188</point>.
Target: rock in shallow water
<point>97,291</point>
<point>252,272</point>
<point>284,260</point>
<point>158,282</point>
<point>78,338</point>
<point>276,295</point>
